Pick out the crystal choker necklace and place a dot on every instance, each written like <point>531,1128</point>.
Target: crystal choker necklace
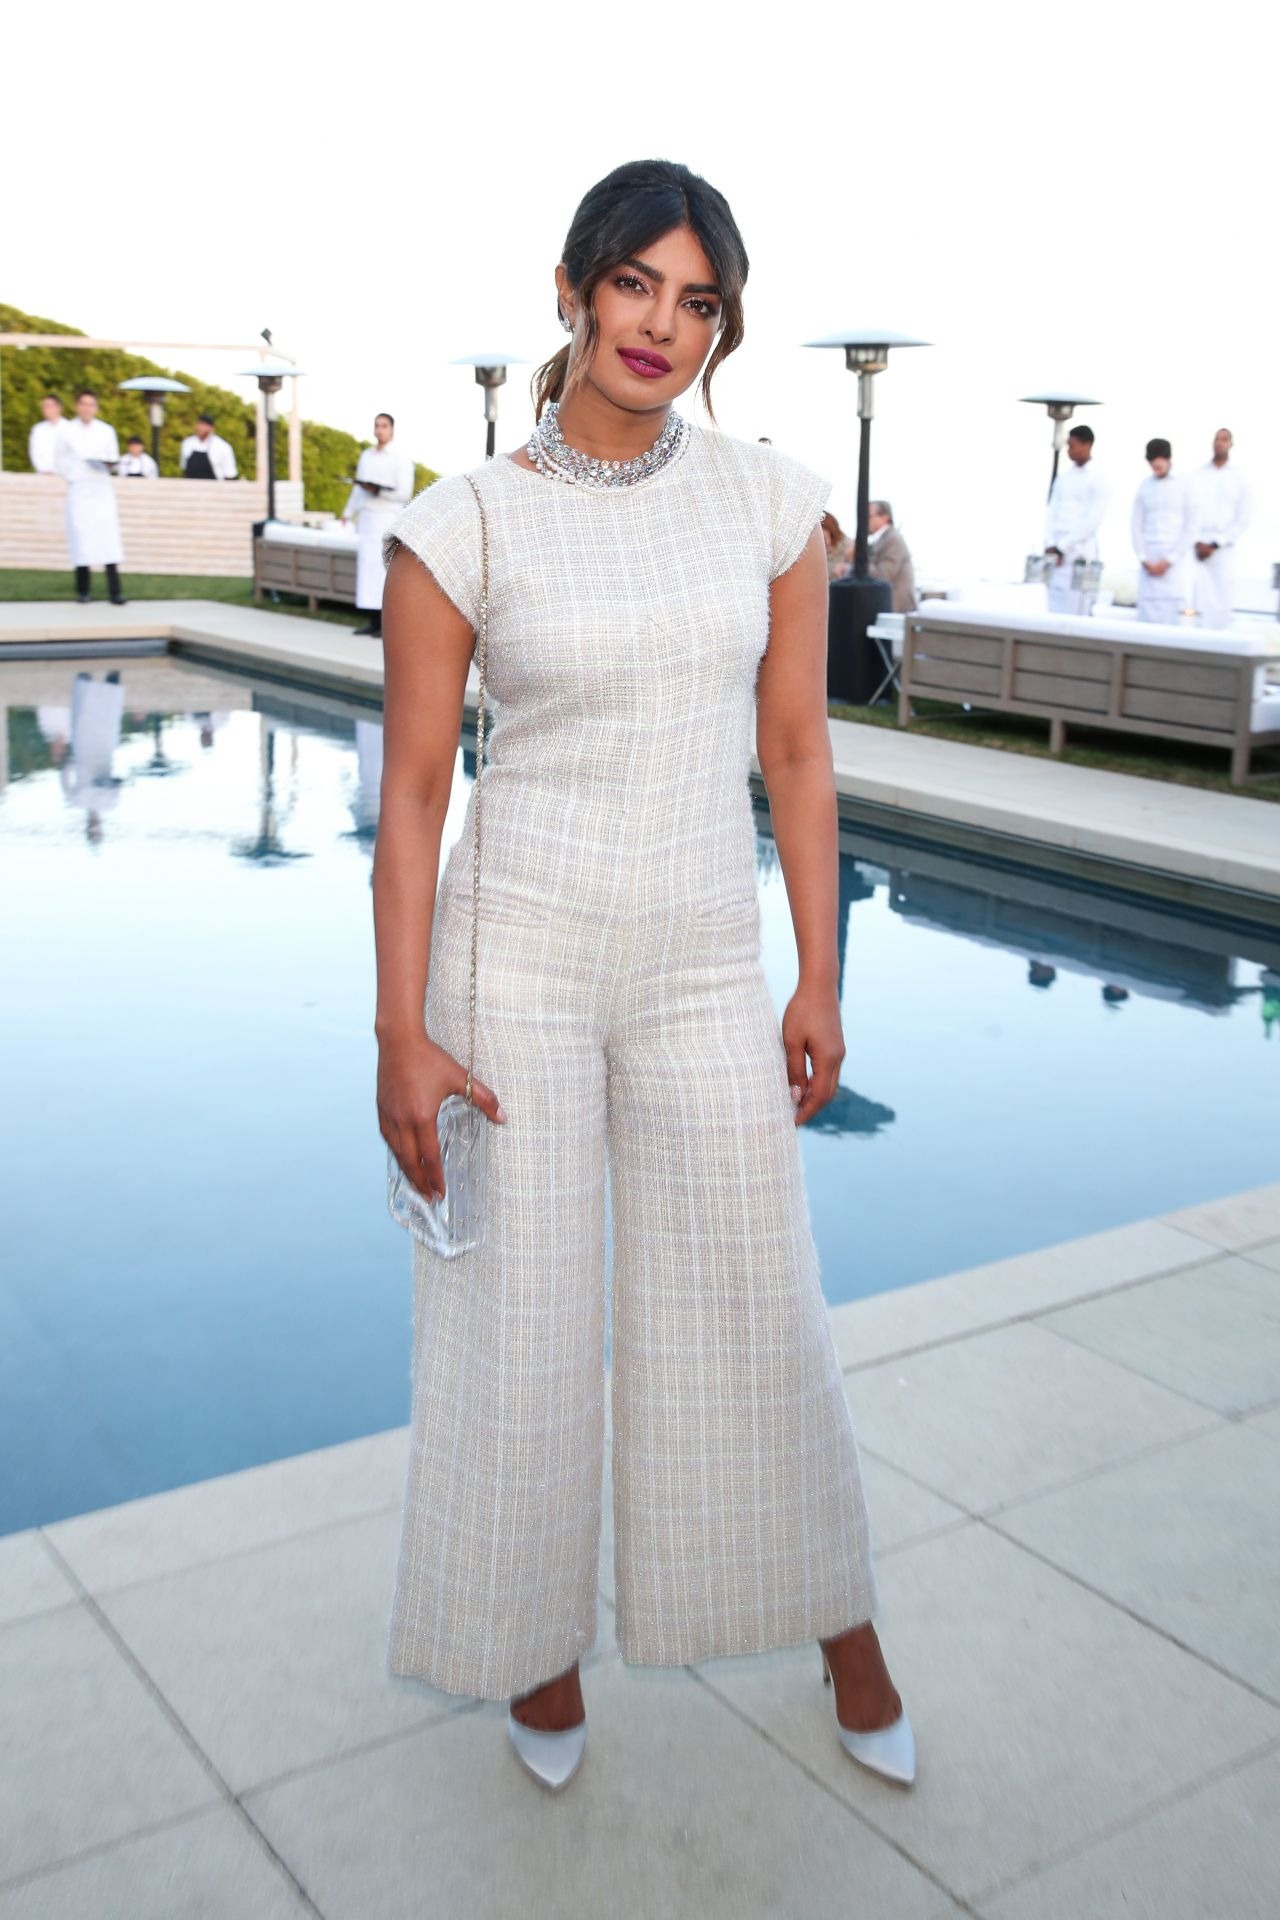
<point>551,454</point>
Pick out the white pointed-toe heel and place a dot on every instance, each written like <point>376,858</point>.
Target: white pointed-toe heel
<point>552,1758</point>
<point>889,1751</point>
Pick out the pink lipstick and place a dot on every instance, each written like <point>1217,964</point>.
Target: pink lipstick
<point>650,366</point>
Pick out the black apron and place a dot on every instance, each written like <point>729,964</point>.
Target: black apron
<point>199,466</point>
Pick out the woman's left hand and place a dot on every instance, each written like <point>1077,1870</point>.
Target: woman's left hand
<point>814,1042</point>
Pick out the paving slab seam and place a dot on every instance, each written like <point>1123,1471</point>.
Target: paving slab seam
<point>40,1613</point>
<point>1246,1254</point>
<point>184,1733</point>
<point>1177,1796</point>
<point>824,1786</point>
<point>233,1553</point>
<point>1139,1619</point>
<point>1032,1314</point>
<point>1149,1379</point>
<point>99,1847</point>
<point>440,1717</point>
<point>1050,1487</point>
<point>961,1521</point>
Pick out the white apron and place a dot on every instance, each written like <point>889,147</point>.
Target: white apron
<point>93,525</point>
<point>373,514</point>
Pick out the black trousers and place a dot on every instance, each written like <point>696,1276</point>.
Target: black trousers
<point>115,591</point>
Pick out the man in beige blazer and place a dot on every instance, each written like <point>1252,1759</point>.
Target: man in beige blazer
<point>890,556</point>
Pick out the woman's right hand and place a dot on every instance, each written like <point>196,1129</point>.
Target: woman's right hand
<point>414,1076</point>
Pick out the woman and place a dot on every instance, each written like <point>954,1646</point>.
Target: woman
<point>640,617</point>
<point>839,548</point>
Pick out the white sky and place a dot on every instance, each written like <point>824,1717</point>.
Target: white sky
<point>1082,194</point>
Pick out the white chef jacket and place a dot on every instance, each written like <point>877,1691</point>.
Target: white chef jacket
<point>1164,519</point>
<point>42,445</point>
<point>1223,503</point>
<point>373,514</point>
<point>1077,508</point>
<point>221,458</point>
<point>138,466</point>
<point>84,448</point>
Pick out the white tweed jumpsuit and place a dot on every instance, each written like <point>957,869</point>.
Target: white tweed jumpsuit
<point>622,1017</point>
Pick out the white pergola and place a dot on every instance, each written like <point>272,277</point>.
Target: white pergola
<point>20,341</point>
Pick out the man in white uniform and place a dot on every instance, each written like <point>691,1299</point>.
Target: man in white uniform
<point>137,463</point>
<point>87,454</point>
<point>42,441</point>
<point>383,484</point>
<point>205,455</point>
<point>1164,521</point>
<point>1223,507</point>
<point>1077,508</point>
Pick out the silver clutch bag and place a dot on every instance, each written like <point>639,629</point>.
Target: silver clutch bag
<point>455,1223</point>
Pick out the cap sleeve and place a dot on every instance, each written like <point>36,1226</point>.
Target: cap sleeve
<point>442,528</point>
<point>798,498</point>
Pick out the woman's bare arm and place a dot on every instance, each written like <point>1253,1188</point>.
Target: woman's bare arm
<point>427,647</point>
<point>793,744</point>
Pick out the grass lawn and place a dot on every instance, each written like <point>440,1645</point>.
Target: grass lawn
<point>42,583</point>
<point>1182,764</point>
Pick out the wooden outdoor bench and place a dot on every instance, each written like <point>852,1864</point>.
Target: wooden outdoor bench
<point>1206,689</point>
<point>309,560</point>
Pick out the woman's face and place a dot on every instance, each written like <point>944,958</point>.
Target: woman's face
<point>658,314</point>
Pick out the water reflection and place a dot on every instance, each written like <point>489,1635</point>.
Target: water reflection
<point>267,846</point>
<point>367,797</point>
<point>89,779</point>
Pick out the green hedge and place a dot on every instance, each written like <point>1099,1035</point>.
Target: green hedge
<point>28,373</point>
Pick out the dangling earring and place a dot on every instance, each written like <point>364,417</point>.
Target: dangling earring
<point>566,323</point>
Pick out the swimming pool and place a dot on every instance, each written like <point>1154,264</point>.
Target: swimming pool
<point>198,1271</point>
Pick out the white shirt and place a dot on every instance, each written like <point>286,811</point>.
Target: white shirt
<point>1077,508</point>
<point>386,467</point>
<point>221,458</point>
<point>84,448</point>
<point>1164,518</point>
<point>1223,503</point>
<point>42,445</point>
<point>138,466</point>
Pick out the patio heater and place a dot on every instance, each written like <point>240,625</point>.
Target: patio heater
<point>857,602</point>
<point>491,373</point>
<point>1060,404</point>
<point>271,376</point>
<point>153,388</point>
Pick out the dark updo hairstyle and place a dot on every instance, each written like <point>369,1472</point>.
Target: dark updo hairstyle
<point>618,218</point>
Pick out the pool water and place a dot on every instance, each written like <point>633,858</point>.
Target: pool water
<point>197,1271</point>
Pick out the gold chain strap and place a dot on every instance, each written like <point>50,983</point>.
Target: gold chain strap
<point>482,655</point>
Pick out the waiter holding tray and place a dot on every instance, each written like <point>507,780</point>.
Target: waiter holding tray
<point>86,455</point>
<point>383,484</point>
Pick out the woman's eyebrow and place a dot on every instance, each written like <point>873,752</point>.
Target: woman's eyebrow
<point>654,273</point>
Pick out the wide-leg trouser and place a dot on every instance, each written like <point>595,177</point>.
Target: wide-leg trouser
<point>739,1519</point>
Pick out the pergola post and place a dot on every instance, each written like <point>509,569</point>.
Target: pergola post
<point>295,438</point>
<point>260,439</point>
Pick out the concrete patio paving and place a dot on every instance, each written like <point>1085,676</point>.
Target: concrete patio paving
<point>1073,1460</point>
